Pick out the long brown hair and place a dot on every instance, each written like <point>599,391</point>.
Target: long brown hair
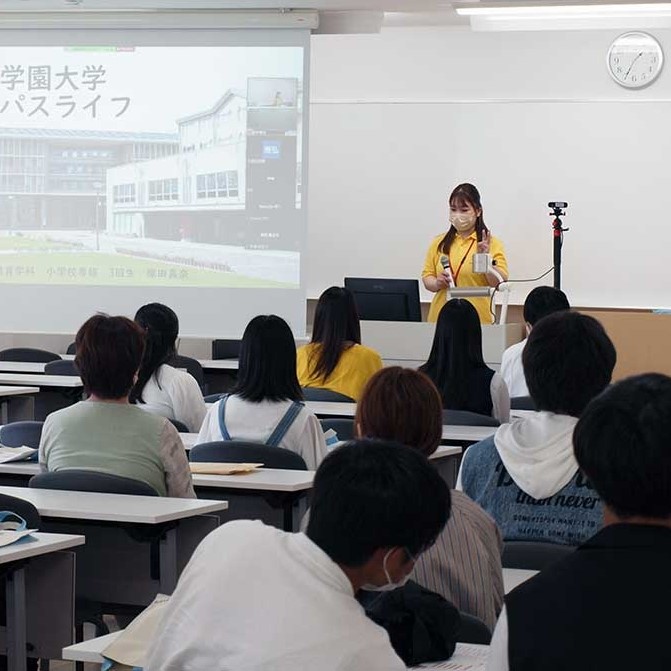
<point>403,405</point>
<point>464,194</point>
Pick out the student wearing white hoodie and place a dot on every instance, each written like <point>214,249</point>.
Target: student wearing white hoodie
<point>526,475</point>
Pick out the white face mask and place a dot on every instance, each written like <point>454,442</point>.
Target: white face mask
<point>463,222</point>
<point>390,585</point>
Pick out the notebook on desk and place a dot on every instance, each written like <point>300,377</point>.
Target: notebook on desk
<point>466,657</point>
<point>23,453</point>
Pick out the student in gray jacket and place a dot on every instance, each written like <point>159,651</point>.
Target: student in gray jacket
<point>526,475</point>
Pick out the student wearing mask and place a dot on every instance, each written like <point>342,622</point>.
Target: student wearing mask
<point>106,433</point>
<point>336,359</point>
<point>257,598</point>
<point>526,475</point>
<point>266,404</point>
<point>467,235</point>
<point>542,301</point>
<point>458,369</point>
<point>464,565</point>
<point>606,605</point>
<point>160,388</point>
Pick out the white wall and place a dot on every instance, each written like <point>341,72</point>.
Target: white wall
<point>398,119</point>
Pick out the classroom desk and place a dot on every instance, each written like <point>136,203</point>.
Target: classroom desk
<point>13,558</point>
<point>36,367</point>
<point>17,404</point>
<point>111,523</point>
<point>470,655</point>
<point>42,381</point>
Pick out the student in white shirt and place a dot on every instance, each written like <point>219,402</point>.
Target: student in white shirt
<point>160,388</point>
<point>255,598</point>
<point>265,406</point>
<point>540,302</point>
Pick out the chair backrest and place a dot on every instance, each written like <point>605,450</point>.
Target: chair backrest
<point>343,427</point>
<point>76,480</point>
<point>465,418</point>
<point>192,367</point>
<point>237,451</point>
<point>318,394</point>
<point>522,403</point>
<point>533,556</point>
<point>61,367</point>
<point>26,433</point>
<point>473,630</point>
<point>180,426</point>
<point>28,354</point>
<point>226,349</point>
<point>22,508</point>
<point>72,349</point>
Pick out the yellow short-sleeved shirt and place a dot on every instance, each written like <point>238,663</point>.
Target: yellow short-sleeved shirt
<point>462,249</point>
<point>356,366</point>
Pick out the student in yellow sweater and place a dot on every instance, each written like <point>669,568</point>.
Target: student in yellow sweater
<point>336,359</point>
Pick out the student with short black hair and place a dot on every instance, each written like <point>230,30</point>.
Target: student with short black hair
<point>526,476</point>
<point>336,359</point>
<point>606,605</point>
<point>257,598</point>
<point>106,433</point>
<point>457,367</point>
<point>266,404</point>
<point>464,565</point>
<point>540,302</point>
<point>160,388</point>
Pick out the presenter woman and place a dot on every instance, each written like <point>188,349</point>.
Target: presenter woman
<point>467,236</point>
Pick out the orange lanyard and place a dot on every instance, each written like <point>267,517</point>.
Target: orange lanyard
<point>461,265</point>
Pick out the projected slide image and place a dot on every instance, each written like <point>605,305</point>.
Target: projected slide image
<point>151,166</point>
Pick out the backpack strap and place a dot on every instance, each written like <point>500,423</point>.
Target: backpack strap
<point>285,424</point>
<point>222,422</point>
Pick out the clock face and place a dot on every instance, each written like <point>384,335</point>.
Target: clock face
<point>635,60</point>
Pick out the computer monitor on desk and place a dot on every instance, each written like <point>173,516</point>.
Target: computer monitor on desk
<point>386,300</point>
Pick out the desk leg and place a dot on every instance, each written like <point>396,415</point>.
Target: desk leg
<point>16,620</point>
<point>168,562</point>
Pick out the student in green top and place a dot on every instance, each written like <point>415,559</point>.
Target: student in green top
<point>106,433</point>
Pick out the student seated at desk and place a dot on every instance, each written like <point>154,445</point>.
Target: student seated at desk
<point>336,359</point>
<point>160,388</point>
<point>526,476</point>
<point>106,433</point>
<point>265,406</point>
<point>456,365</point>
<point>606,605</point>
<point>464,565</point>
<point>257,598</point>
<point>542,301</point>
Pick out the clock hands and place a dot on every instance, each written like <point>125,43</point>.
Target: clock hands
<point>640,53</point>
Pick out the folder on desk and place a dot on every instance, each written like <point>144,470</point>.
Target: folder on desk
<point>22,453</point>
<point>221,468</point>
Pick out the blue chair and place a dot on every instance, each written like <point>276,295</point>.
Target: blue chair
<point>522,403</point>
<point>318,394</point>
<point>343,427</point>
<point>79,480</point>
<point>61,367</point>
<point>226,349</point>
<point>237,451</point>
<point>28,354</point>
<point>17,434</point>
<point>72,349</point>
<point>180,426</point>
<point>466,418</point>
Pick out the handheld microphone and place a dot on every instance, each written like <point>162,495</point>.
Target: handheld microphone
<point>445,262</point>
